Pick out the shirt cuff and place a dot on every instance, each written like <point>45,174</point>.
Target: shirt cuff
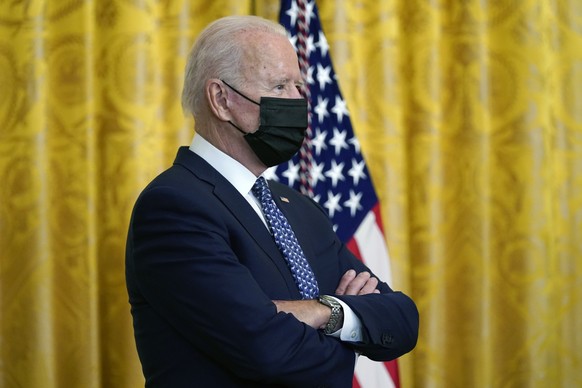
<point>351,331</point>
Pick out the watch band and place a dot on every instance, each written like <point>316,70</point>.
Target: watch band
<point>336,319</point>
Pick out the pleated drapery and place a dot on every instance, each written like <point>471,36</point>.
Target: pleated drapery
<point>469,114</point>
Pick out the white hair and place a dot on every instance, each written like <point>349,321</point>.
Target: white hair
<point>217,53</point>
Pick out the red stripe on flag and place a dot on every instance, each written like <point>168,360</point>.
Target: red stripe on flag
<point>378,214</point>
<point>353,247</point>
<point>392,367</point>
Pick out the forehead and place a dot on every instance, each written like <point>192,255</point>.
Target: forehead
<point>269,56</point>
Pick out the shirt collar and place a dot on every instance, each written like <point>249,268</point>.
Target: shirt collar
<point>237,174</point>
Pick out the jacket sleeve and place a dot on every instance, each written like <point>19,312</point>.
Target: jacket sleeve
<point>390,324</point>
<point>181,263</point>
<point>390,320</point>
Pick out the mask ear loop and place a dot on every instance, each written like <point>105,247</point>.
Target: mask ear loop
<point>239,93</point>
<point>246,98</point>
<point>243,132</point>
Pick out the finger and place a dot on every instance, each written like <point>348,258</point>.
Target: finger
<point>369,287</point>
<point>356,285</point>
<point>345,281</point>
<point>376,291</point>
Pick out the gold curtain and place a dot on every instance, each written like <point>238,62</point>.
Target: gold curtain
<point>469,114</point>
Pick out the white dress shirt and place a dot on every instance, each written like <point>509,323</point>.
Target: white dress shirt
<point>243,180</point>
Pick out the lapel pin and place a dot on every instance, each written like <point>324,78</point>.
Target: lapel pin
<point>284,199</point>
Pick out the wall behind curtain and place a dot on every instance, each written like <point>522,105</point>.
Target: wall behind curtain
<point>469,114</point>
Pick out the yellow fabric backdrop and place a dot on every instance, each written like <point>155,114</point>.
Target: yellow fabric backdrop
<point>469,114</point>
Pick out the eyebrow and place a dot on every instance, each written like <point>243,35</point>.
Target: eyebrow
<point>287,81</point>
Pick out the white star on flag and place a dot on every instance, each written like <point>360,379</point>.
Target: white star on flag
<point>321,109</point>
<point>340,108</point>
<point>323,76</point>
<point>338,141</point>
<point>354,202</point>
<point>292,173</point>
<point>335,172</point>
<point>319,141</point>
<point>357,171</point>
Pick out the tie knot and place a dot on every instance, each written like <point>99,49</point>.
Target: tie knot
<point>260,188</point>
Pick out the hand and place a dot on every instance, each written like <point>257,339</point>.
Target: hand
<point>360,284</point>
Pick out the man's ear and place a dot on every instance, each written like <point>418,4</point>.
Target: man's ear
<point>216,96</point>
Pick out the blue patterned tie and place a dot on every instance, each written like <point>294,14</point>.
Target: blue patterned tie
<point>286,241</point>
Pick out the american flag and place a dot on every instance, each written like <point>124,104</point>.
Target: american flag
<point>330,166</point>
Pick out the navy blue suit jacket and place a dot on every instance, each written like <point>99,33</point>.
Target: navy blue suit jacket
<point>202,271</point>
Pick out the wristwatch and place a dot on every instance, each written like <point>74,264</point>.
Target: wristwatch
<point>336,319</point>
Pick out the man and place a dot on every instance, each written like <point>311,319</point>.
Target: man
<point>234,283</point>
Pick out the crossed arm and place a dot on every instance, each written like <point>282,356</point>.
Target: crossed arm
<point>316,314</point>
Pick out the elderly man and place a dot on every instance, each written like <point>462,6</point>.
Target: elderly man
<point>229,285</point>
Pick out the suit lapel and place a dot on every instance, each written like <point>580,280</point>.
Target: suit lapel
<point>238,206</point>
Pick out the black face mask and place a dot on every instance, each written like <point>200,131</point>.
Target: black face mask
<point>281,130</point>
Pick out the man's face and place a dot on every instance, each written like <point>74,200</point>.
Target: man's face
<point>270,69</point>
